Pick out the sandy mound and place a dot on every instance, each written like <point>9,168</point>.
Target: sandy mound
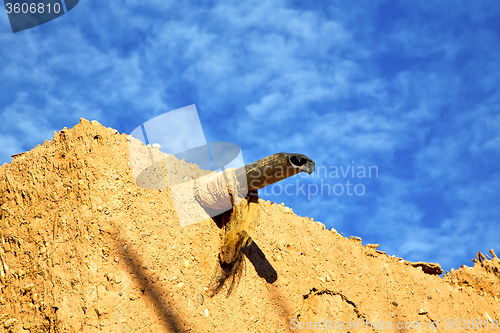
<point>83,249</point>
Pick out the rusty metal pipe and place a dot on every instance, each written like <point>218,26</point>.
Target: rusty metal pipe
<point>274,168</point>
<point>212,192</point>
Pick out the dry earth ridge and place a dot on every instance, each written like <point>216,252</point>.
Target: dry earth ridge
<point>84,249</point>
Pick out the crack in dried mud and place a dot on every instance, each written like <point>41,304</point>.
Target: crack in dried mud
<point>314,291</point>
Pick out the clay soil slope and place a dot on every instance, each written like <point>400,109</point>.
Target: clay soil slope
<point>84,249</point>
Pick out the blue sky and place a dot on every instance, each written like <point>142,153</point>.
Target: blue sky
<point>408,87</point>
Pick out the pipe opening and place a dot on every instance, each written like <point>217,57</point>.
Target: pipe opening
<point>298,161</point>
